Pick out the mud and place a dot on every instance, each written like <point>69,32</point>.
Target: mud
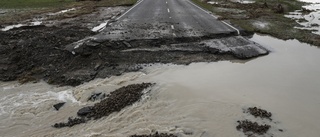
<point>257,112</point>
<point>46,55</point>
<point>251,128</point>
<point>32,53</point>
<point>155,135</point>
<point>257,125</point>
<point>115,101</point>
<point>267,17</point>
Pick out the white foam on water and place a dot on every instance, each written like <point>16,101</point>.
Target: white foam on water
<point>31,101</point>
<point>65,96</point>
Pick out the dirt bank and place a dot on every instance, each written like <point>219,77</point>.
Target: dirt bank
<point>29,57</point>
<point>64,50</point>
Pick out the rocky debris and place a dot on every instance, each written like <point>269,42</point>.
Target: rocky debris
<point>155,135</point>
<point>71,122</point>
<point>115,101</point>
<point>257,112</point>
<point>251,128</point>
<point>96,96</point>
<point>118,99</point>
<point>58,105</point>
<point>85,111</point>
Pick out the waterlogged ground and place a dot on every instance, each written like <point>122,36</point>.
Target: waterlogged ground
<point>307,20</point>
<point>201,99</point>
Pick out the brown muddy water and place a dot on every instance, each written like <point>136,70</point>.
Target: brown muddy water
<point>198,100</point>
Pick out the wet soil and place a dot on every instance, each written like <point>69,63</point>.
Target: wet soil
<point>265,17</point>
<point>257,112</point>
<point>115,102</point>
<point>251,128</point>
<point>40,52</point>
<point>155,135</point>
<point>32,53</point>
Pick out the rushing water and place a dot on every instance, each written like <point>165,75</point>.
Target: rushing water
<point>203,98</point>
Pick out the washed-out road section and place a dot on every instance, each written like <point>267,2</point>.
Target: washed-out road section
<point>177,21</point>
<point>152,31</point>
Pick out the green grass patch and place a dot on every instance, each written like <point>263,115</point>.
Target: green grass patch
<point>259,18</point>
<point>20,10</point>
<point>15,4</point>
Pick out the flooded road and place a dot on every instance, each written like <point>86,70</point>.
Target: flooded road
<point>200,100</point>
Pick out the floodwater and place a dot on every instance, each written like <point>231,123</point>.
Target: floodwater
<point>205,99</point>
<point>311,21</point>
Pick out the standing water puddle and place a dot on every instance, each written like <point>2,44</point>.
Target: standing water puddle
<point>202,99</point>
<point>310,21</point>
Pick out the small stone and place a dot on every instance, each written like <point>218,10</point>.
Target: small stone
<point>85,111</point>
<point>281,130</point>
<point>58,105</point>
<point>95,96</point>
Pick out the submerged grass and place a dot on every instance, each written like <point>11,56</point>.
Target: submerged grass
<point>261,17</point>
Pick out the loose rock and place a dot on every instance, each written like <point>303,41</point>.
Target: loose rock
<point>257,112</point>
<point>58,105</point>
<point>250,128</point>
<point>155,135</point>
<point>71,122</point>
<point>96,96</point>
<point>116,101</point>
<point>85,111</point>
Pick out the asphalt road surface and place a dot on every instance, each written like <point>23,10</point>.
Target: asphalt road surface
<point>151,19</point>
<point>175,22</point>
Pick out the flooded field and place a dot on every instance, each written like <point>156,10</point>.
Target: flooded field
<point>201,99</point>
<point>309,20</point>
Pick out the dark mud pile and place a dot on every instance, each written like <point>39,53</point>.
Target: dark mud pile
<point>155,135</point>
<point>118,100</point>
<point>257,112</point>
<point>34,53</point>
<point>251,129</point>
<point>115,102</point>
